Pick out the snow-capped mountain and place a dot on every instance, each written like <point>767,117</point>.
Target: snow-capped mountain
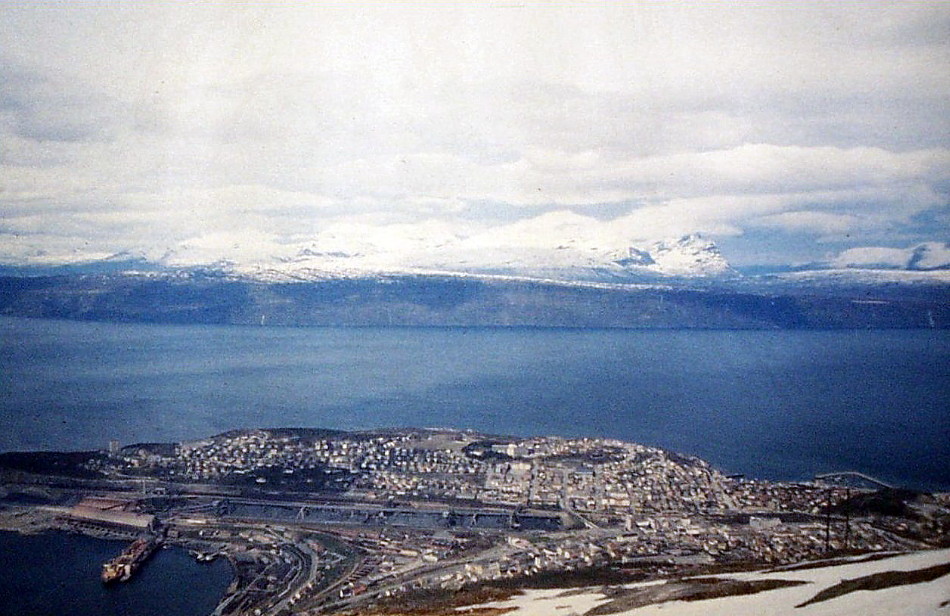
<point>576,260</point>
<point>539,253</point>
<point>861,276</point>
<point>927,263</point>
<point>472,280</point>
<point>690,255</point>
<point>922,257</point>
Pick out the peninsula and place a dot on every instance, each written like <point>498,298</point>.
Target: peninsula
<point>422,520</point>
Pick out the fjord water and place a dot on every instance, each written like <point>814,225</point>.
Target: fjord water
<point>769,404</point>
<point>54,574</point>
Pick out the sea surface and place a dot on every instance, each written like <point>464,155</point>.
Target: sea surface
<point>768,404</point>
<point>56,574</point>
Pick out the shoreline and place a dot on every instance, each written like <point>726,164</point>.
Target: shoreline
<point>34,521</point>
<point>666,589</point>
<point>314,521</point>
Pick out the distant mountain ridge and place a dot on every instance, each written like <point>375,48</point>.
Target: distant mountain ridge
<point>927,256</point>
<point>574,259</point>
<point>570,260</point>
<point>207,296</point>
<point>580,282</point>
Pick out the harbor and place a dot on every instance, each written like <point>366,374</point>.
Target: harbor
<point>54,573</point>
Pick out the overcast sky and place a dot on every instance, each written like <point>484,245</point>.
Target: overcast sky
<point>786,132</point>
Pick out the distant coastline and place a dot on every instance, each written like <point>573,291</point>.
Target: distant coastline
<point>920,301</point>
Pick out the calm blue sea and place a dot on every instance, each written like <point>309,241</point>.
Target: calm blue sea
<point>771,404</point>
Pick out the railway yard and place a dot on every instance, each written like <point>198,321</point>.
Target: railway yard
<point>315,521</point>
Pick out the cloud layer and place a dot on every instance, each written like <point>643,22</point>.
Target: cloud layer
<point>789,133</point>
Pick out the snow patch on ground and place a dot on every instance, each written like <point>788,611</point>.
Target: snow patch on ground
<point>922,599</point>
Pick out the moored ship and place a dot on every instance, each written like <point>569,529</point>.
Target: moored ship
<point>121,568</point>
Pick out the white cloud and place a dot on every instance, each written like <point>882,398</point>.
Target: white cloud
<point>128,126</point>
<point>804,220</point>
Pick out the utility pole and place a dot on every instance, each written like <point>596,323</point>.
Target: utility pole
<point>847,519</point>
<point>828,520</point>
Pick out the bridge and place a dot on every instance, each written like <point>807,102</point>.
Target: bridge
<point>830,477</point>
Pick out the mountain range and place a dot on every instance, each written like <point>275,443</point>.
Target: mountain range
<point>678,283</point>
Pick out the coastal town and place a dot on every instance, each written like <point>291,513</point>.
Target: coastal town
<point>316,521</point>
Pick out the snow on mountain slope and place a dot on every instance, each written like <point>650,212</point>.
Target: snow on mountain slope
<point>561,245</point>
<point>864,276</point>
<point>922,257</point>
<point>558,248</point>
<point>929,256</point>
<point>690,255</point>
<point>562,251</point>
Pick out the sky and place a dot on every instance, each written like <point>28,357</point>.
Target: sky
<point>788,133</point>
